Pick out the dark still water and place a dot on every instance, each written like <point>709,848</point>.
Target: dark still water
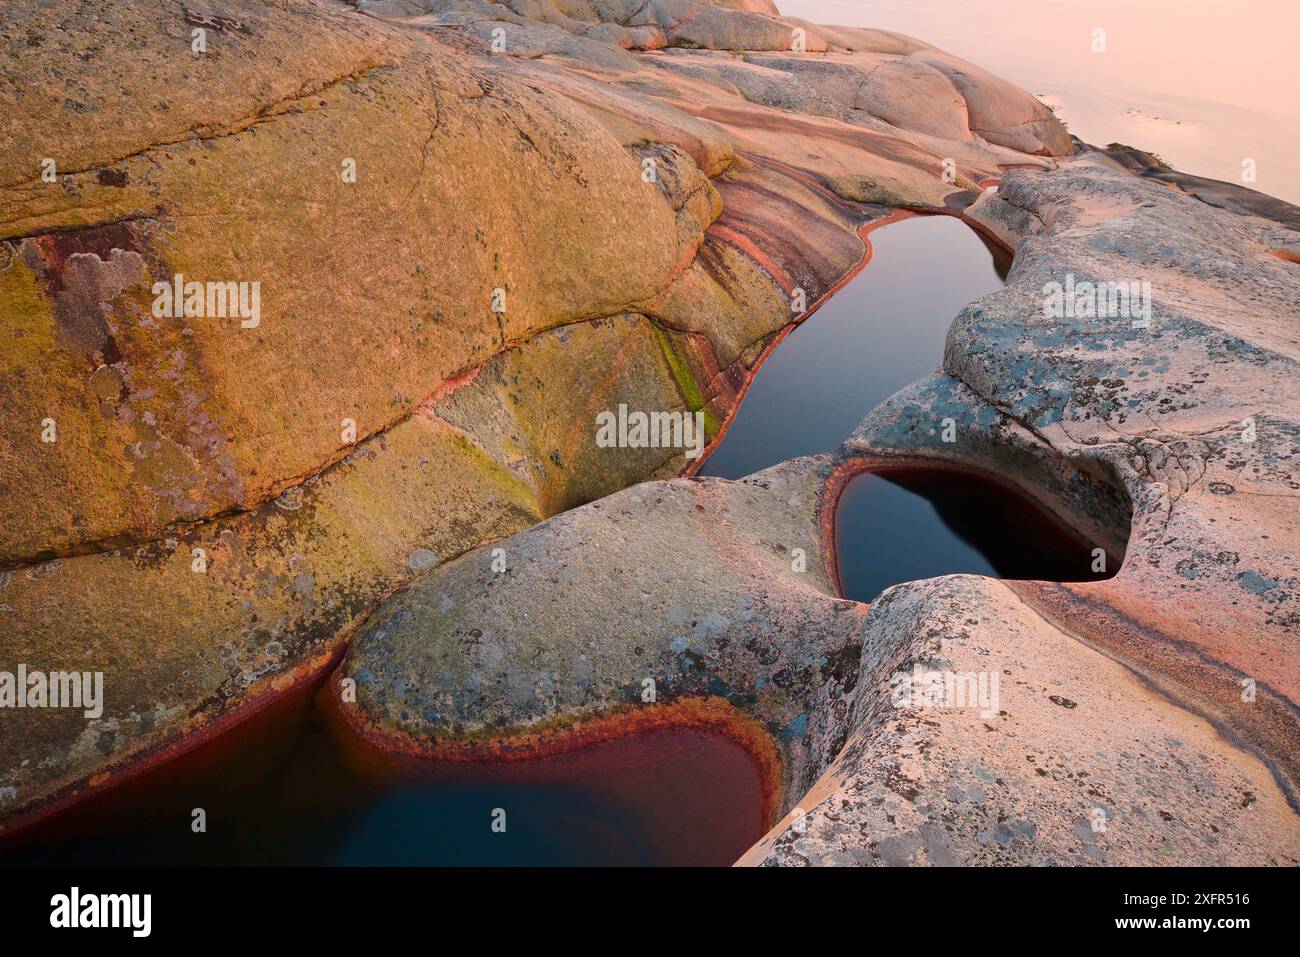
<point>899,526</point>
<point>884,330</point>
<point>291,787</point>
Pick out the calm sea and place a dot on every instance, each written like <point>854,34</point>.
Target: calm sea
<point>1206,84</point>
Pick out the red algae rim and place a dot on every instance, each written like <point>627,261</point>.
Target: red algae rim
<point>712,715</point>
<point>268,692</point>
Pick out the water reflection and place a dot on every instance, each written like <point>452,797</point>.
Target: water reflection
<point>901,526</point>
<point>884,330</point>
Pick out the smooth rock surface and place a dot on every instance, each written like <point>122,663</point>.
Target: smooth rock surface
<point>224,504</point>
<point>1165,697</point>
